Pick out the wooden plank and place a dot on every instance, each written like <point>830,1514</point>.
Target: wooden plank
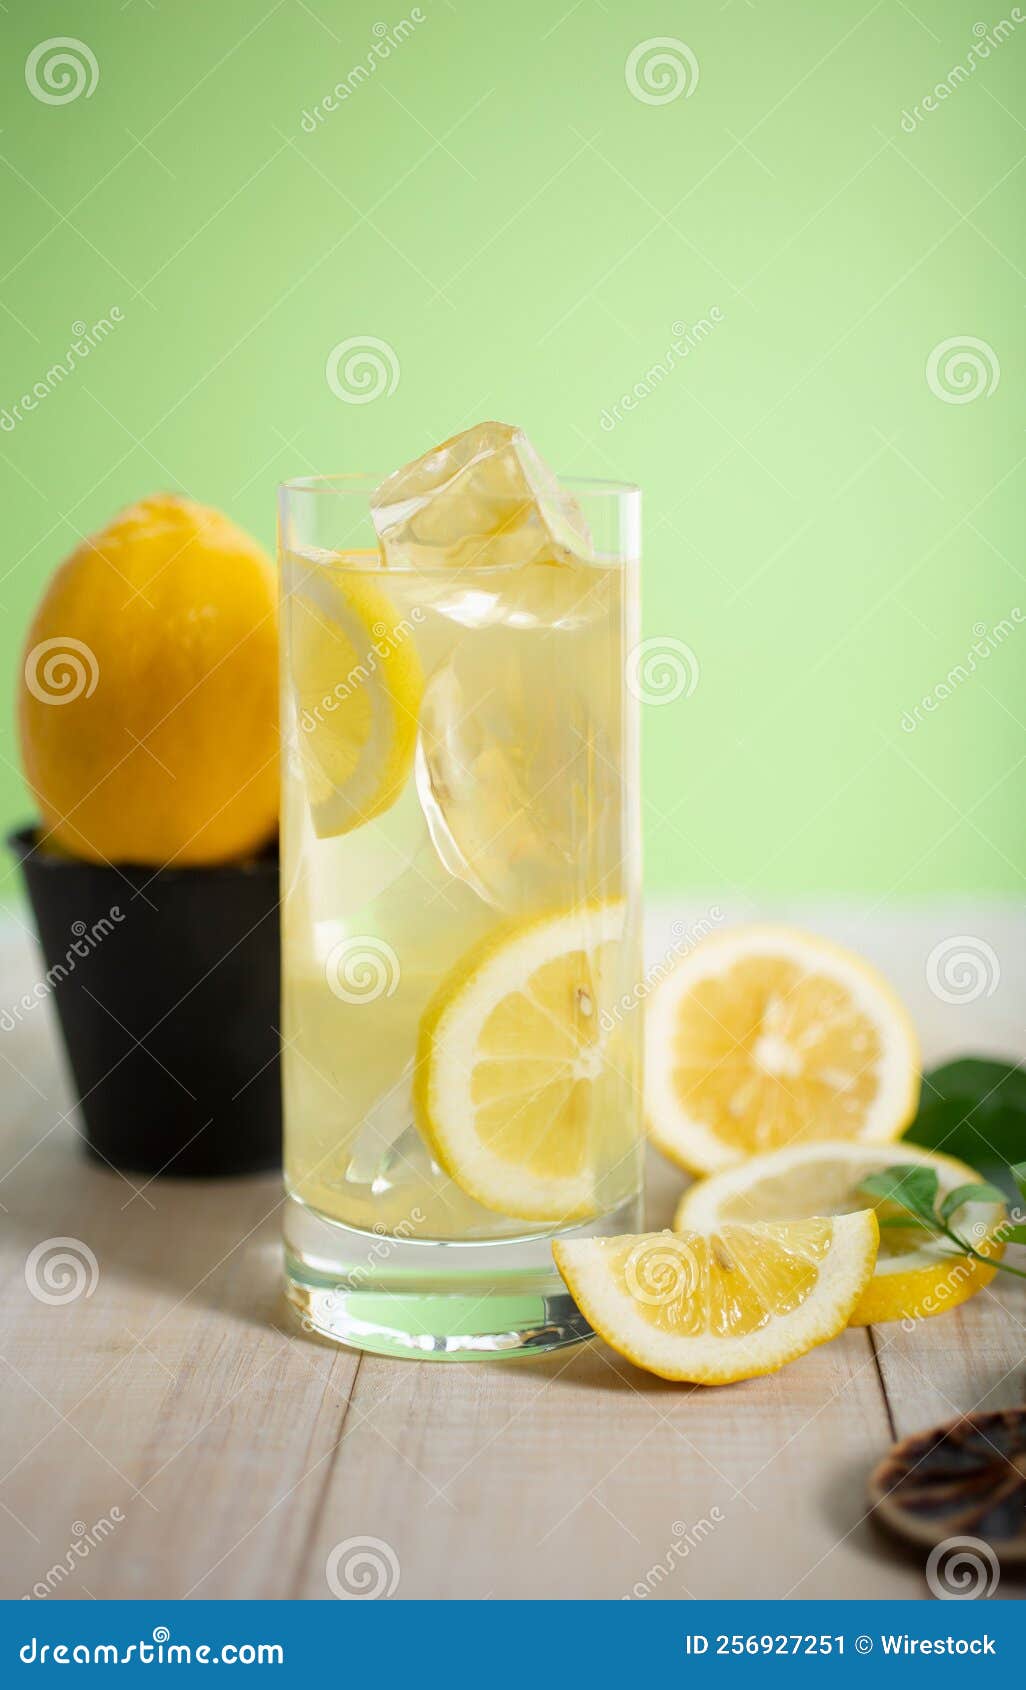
<point>241,1454</point>
<point>174,1400</point>
<point>581,1476</point>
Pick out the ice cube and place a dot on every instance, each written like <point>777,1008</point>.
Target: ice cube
<point>483,498</point>
<point>517,779</point>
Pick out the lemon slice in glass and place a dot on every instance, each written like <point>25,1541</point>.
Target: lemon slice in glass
<point>358,685</point>
<point>512,1073</point>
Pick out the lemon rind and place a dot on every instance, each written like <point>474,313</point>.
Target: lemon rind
<point>705,1360</point>
<point>447,1040</point>
<point>689,1142</point>
<point>926,1282</point>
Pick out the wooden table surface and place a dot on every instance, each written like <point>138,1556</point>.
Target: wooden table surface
<point>176,1426</point>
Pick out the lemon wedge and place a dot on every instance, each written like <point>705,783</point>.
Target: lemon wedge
<point>512,1081</point>
<point>915,1275</point>
<point>764,1036</point>
<point>715,1307</point>
<point>358,685</point>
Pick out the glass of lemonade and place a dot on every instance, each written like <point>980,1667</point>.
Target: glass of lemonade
<point>460,896</point>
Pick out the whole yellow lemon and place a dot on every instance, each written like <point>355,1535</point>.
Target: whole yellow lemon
<point>148,692</point>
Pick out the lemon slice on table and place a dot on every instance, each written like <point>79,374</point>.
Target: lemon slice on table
<point>715,1307</point>
<point>764,1036</point>
<point>915,1275</point>
<point>512,1069</point>
<point>358,685</point>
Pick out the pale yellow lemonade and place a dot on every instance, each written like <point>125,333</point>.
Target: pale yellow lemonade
<point>458,853</point>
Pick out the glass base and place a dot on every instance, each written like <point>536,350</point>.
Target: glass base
<point>429,1300</point>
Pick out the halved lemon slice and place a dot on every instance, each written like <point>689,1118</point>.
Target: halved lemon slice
<point>764,1036</point>
<point>512,1076</point>
<point>915,1275</point>
<point>358,686</point>
<point>714,1307</point>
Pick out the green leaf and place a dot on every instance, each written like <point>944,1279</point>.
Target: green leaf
<point>1018,1173</point>
<point>1014,1234</point>
<point>974,1109</point>
<point>909,1185</point>
<point>974,1193</point>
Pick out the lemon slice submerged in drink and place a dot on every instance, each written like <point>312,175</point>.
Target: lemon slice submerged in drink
<point>358,686</point>
<point>915,1275</point>
<point>712,1308</point>
<point>512,1081</point>
<point>765,1036</point>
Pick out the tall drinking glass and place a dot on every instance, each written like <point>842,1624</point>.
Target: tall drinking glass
<point>461,936</point>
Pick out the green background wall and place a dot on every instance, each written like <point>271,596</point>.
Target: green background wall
<point>825,531</point>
